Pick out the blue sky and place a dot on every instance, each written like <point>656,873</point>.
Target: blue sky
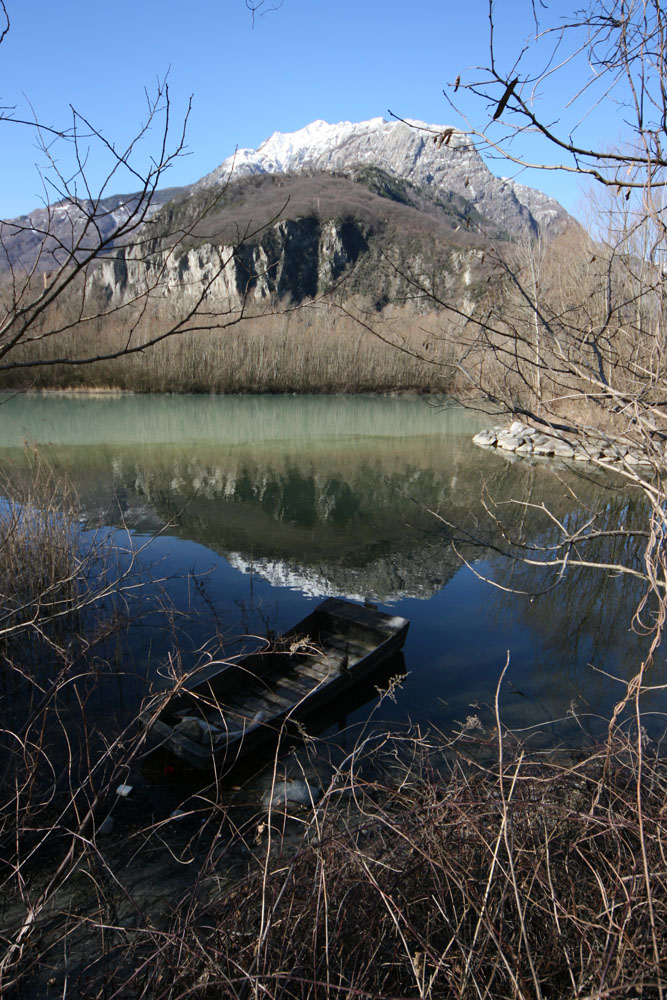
<point>308,59</point>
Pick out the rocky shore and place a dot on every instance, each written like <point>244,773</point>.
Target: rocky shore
<point>522,440</point>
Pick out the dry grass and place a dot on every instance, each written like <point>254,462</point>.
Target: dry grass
<point>431,867</point>
<point>39,578</point>
<point>65,600</point>
<point>523,881</point>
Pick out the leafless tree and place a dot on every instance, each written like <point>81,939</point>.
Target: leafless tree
<point>571,336</point>
<point>53,283</point>
<point>577,339</point>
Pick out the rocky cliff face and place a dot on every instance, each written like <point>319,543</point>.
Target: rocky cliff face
<point>378,204</point>
<point>293,260</point>
<point>289,263</point>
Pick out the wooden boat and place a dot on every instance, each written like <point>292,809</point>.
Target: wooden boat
<point>244,704</point>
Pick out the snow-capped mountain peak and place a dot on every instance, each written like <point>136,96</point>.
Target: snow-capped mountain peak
<point>322,145</point>
<point>286,148</point>
<point>406,149</point>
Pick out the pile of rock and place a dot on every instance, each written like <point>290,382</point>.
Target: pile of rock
<point>523,440</point>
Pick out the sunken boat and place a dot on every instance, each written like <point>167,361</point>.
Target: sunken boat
<point>241,705</point>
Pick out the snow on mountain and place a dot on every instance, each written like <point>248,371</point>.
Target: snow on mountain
<point>314,147</point>
<point>409,150</point>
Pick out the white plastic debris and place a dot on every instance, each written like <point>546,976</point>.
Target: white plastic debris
<point>124,790</point>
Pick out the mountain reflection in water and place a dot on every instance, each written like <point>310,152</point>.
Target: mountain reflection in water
<point>283,499</point>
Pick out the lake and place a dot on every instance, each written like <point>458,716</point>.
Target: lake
<point>253,508</point>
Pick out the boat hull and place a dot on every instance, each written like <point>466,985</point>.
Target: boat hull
<point>241,706</point>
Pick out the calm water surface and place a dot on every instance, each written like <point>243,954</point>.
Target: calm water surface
<point>256,507</point>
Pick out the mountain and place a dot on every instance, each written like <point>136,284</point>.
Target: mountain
<point>414,151</point>
<point>358,220</point>
<point>45,237</point>
<point>407,163</point>
<point>380,205</point>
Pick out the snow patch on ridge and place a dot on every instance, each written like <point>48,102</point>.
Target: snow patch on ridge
<point>319,145</point>
<point>405,149</point>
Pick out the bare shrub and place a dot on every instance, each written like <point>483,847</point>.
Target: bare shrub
<point>66,596</point>
<point>429,868</point>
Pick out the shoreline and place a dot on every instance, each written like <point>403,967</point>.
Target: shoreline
<point>114,391</point>
<point>524,441</point>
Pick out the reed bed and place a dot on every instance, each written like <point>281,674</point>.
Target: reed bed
<point>38,566</point>
<point>66,597</point>
<point>523,880</point>
<point>316,348</point>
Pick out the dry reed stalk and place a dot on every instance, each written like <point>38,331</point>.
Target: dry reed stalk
<point>427,869</point>
<point>416,878</point>
<point>430,867</point>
